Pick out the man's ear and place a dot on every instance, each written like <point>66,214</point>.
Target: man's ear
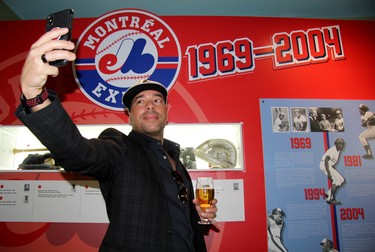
<point>128,114</point>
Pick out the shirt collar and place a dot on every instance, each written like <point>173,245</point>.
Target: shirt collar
<point>168,145</point>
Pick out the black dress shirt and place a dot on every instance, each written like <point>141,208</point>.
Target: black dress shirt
<point>182,233</point>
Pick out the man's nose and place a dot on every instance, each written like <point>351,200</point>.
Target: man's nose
<point>150,105</point>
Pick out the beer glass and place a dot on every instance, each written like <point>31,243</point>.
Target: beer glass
<point>205,193</point>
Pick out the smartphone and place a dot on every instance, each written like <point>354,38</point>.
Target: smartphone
<point>60,19</point>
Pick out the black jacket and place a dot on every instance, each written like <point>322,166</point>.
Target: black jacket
<point>135,198</point>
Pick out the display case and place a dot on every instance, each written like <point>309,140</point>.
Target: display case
<point>204,146</point>
<point>48,194</point>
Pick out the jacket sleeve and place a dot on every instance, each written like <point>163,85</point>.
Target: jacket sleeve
<point>57,132</point>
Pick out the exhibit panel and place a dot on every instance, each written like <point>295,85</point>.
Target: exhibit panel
<point>318,172</point>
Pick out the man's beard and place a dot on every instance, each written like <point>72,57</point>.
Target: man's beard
<point>153,132</point>
<point>153,129</point>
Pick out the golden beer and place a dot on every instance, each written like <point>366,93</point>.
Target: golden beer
<point>205,197</point>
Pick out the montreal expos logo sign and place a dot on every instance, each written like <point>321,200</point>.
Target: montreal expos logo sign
<point>121,48</point>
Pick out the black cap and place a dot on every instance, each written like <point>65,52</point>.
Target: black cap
<point>140,87</point>
<point>363,107</point>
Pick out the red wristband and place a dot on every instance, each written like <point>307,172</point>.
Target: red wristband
<point>39,99</point>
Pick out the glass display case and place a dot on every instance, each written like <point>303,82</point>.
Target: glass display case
<point>204,146</point>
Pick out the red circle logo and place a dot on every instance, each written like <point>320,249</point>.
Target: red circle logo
<point>119,49</point>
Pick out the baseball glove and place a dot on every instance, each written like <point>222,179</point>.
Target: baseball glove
<point>371,120</point>
<point>219,153</point>
<point>39,161</point>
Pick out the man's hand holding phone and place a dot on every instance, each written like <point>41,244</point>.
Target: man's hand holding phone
<point>38,64</point>
<point>35,72</point>
<point>52,50</point>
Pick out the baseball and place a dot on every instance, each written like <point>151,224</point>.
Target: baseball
<point>125,57</point>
